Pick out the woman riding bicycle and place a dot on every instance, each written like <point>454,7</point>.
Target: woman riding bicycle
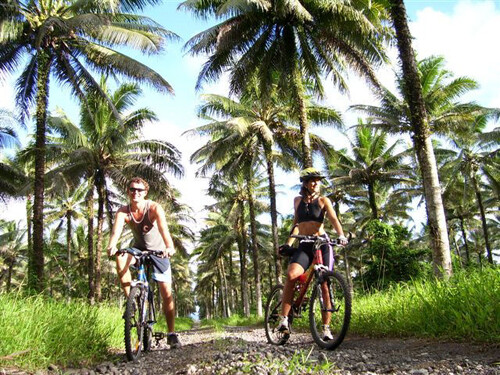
<point>310,209</point>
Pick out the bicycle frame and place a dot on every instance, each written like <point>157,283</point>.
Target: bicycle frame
<point>329,296</point>
<point>143,265</point>
<point>317,264</point>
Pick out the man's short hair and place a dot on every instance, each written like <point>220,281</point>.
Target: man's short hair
<point>138,180</point>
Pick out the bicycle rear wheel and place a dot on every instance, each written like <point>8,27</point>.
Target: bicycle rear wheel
<point>272,319</point>
<point>330,310</point>
<point>134,327</point>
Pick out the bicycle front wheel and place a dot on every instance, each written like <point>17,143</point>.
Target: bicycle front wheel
<point>272,319</point>
<point>134,325</point>
<point>330,310</point>
<point>150,320</point>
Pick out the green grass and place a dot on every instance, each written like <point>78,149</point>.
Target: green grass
<point>36,331</point>
<point>465,308</point>
<point>181,324</point>
<point>300,362</point>
<point>47,331</point>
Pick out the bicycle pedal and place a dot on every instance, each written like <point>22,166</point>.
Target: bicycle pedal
<point>159,335</point>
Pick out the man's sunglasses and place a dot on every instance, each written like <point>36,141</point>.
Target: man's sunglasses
<point>133,190</point>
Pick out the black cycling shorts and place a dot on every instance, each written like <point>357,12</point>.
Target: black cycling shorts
<point>304,254</point>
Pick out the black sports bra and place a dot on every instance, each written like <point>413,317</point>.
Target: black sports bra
<point>310,212</point>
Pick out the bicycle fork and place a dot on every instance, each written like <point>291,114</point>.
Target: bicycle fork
<point>324,308</point>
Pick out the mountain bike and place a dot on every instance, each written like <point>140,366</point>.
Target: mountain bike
<point>140,313</point>
<point>329,302</point>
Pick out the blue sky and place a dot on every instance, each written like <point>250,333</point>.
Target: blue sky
<point>461,31</point>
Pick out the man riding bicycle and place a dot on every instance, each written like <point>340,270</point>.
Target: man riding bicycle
<point>147,221</point>
<point>310,209</point>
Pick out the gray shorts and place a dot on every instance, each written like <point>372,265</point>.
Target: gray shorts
<point>165,276</point>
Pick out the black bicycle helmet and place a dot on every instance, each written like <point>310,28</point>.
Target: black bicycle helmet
<point>310,173</point>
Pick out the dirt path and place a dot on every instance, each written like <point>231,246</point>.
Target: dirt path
<point>245,350</point>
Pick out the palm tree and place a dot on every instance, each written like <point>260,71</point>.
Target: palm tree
<point>418,118</point>
<point>12,248</point>
<point>10,175</point>
<point>459,205</point>
<point>66,205</point>
<point>64,39</point>
<point>231,194</point>
<point>472,155</point>
<point>107,149</point>
<point>444,115</point>
<point>302,40</point>
<point>8,133</point>
<point>375,166</point>
<point>216,240</point>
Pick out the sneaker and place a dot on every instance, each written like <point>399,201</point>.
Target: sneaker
<point>283,327</point>
<point>327,334</point>
<point>173,340</point>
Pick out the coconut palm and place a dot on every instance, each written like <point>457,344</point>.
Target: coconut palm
<point>65,40</point>
<point>8,133</point>
<point>472,155</point>
<point>460,208</point>
<point>302,40</point>
<point>418,119</point>
<point>230,193</point>
<point>12,249</point>
<point>106,149</point>
<point>438,94</point>
<point>216,240</point>
<point>10,175</point>
<point>375,166</point>
<point>67,206</point>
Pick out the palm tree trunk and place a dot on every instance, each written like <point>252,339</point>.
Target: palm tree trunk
<point>10,270</point>
<point>222,292</point>
<point>464,236</point>
<point>255,246</point>
<point>232,291</point>
<point>373,201</point>
<point>35,278</point>
<point>90,243</point>
<point>29,222</point>
<point>274,211</point>
<point>68,246</point>
<point>483,219</point>
<point>303,120</point>
<point>457,249</point>
<point>423,146</point>
<point>98,252</point>
<point>226,289</point>
<point>242,243</point>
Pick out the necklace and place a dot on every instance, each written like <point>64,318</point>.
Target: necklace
<point>133,217</point>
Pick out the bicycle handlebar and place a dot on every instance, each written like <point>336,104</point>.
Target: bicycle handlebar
<point>313,238</point>
<point>138,253</point>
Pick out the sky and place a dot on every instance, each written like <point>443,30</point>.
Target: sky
<point>464,32</point>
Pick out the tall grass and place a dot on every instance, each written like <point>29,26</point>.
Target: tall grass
<point>36,332</point>
<point>467,307</point>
